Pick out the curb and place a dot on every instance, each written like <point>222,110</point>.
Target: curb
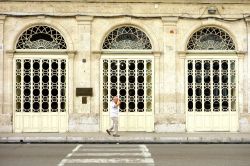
<point>127,140</point>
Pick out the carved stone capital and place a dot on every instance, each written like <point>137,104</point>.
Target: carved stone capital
<point>84,20</point>
<point>169,21</point>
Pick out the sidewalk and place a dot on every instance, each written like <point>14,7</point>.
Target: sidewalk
<point>126,137</point>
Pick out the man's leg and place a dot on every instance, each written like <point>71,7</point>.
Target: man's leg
<point>111,128</point>
<point>115,123</point>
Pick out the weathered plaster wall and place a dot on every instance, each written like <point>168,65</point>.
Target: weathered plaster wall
<point>84,34</point>
<point>140,9</point>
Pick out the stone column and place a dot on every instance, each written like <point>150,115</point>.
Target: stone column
<point>2,18</point>
<point>83,62</point>
<point>168,79</point>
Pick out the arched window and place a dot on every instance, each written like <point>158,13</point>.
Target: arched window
<point>211,81</point>
<point>210,38</point>
<point>41,81</point>
<point>127,37</point>
<point>41,37</point>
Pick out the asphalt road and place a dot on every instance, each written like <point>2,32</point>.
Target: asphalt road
<point>115,154</point>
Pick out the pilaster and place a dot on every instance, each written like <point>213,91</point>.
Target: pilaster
<point>168,66</point>
<point>8,82</point>
<point>2,19</point>
<point>241,85</point>
<point>248,64</point>
<point>82,63</point>
<point>71,56</point>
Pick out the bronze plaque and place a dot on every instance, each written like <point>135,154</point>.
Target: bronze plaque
<point>84,92</point>
<point>84,100</point>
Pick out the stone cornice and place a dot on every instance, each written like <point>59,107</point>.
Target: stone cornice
<point>141,1</point>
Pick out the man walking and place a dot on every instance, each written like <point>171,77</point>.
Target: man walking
<point>114,110</point>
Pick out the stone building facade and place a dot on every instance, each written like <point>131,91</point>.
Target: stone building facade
<point>178,66</point>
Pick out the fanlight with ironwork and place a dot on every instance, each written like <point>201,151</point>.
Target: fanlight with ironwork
<point>127,37</point>
<point>211,38</point>
<point>41,37</point>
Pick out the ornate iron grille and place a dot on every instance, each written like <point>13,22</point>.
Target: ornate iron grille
<point>41,85</point>
<point>211,85</point>
<point>127,38</point>
<point>131,80</point>
<point>211,38</point>
<point>41,37</point>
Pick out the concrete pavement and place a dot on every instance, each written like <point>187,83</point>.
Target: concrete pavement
<point>126,137</point>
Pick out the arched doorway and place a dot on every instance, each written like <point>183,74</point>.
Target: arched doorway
<point>41,81</point>
<point>211,81</point>
<point>129,75</point>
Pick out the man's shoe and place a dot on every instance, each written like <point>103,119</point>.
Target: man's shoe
<point>116,135</point>
<point>108,132</point>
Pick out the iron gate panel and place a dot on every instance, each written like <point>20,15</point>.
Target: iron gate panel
<point>131,80</point>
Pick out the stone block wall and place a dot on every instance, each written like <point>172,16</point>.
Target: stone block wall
<point>85,25</point>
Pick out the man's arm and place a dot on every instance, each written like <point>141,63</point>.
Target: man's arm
<point>118,103</point>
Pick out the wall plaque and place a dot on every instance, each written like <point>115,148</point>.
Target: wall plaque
<point>84,91</point>
<point>84,100</point>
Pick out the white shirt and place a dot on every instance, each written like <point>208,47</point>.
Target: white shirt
<point>114,109</point>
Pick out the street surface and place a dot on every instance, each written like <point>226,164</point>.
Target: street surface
<point>125,154</point>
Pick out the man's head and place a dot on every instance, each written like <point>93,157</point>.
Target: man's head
<point>115,99</point>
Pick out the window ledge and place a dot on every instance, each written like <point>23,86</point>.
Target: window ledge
<point>184,54</point>
<point>40,52</point>
<point>127,51</point>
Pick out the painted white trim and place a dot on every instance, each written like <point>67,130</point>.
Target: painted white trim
<point>196,26</point>
<point>210,54</point>
<point>119,56</point>
<point>40,52</point>
<point>131,52</point>
<point>231,127</point>
<point>59,114</point>
<point>43,21</point>
<point>146,114</point>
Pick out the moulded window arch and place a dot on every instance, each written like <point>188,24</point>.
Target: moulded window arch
<point>127,37</point>
<point>211,81</point>
<point>41,37</point>
<point>211,38</point>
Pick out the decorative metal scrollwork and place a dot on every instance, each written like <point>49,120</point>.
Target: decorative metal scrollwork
<point>211,85</point>
<point>41,37</point>
<point>127,37</point>
<point>131,80</point>
<point>41,85</point>
<point>211,38</point>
